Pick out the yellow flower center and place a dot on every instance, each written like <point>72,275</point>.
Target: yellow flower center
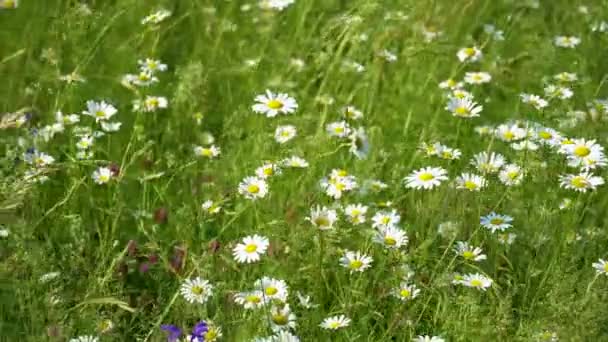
<point>496,221</point>
<point>253,299</point>
<point>275,104</point>
<point>451,83</point>
<point>469,51</point>
<point>253,189</point>
<point>340,186</point>
<point>210,335</point>
<point>104,178</point>
<point>9,4</point>
<point>468,255</point>
<point>153,102</point>
<point>334,325</point>
<point>143,77</point>
<point>582,151</point>
<point>197,290</point>
<point>342,173</point>
<point>206,152</point>
<point>279,319</point>
<point>476,283</point>
<point>447,155</point>
<point>268,171</point>
<point>512,174</point>
<point>355,264</point>
<point>339,129</point>
<point>567,142</point>
<point>250,248</point>
<point>606,267</point>
<point>322,221</point>
<point>462,111</point>
<point>271,291</point>
<point>390,241</point>
<point>579,182</point>
<point>470,185</point>
<point>545,135</point>
<point>427,176</point>
<point>100,114</point>
<point>405,293</point>
<point>508,135</point>
<point>385,220</point>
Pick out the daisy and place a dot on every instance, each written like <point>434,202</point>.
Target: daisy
<point>207,152</point>
<point>271,104</point>
<point>67,119</point>
<point>391,237</point>
<point>426,338</point>
<point>336,185</point>
<point>484,130</point>
<point>322,217</point>
<point>580,149</point>
<point>351,113</point>
<point>250,300</point>
<point>253,188</point>
<point>151,65</point>
<point>534,100</point>
<point>211,207</point>
<point>547,136</point>
<point>356,261</point>
<point>213,333</point>
<point>250,249</point>
<point>601,266</point>
<point>448,153</point>
<point>566,41</point>
<point>197,290</point>
<point>284,133</point>
<point>385,219</point>
<point>426,178</point>
<point>281,318</point>
<point>339,129</point>
<point>9,4</point>
<point>463,107</point>
<point>38,159</point>
<point>506,238</point>
<point>477,281</point>
<point>471,182</point>
<point>84,339</point>
<point>359,143</point>
<point>470,54</point>
<point>510,133</point>
<point>562,93</point>
<point>450,84</point>
<point>406,292</point>
<point>100,110</point>
<point>488,162</point>
<point>110,127</point>
<point>157,17</point>
<point>566,77</point>
<point>592,161</point>
<point>496,222</point>
<point>582,182</point>
<point>294,162</point>
<point>273,289</point>
<point>525,145</point>
<point>477,77</point>
<point>335,322</point>
<point>376,185</point>
<point>511,175</point>
<point>150,104</point>
<point>356,213</point>
<point>267,170</point>
<point>143,79</point>
<point>276,4</point>
<point>102,175</point>
<point>468,252</point>
<point>388,56</point>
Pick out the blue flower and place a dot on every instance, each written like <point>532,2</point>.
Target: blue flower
<point>174,332</point>
<point>198,332</point>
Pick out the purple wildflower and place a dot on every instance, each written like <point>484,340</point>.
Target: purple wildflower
<point>174,332</point>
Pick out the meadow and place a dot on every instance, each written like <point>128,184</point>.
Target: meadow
<point>303,170</point>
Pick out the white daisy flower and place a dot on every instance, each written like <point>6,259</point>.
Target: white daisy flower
<point>463,107</point>
<point>305,301</point>
<point>250,249</point>
<point>271,104</point>
<point>468,252</point>
<point>566,77</point>
<point>339,129</point>
<point>38,159</point>
<point>207,152</point>
<point>211,207</point>
<point>450,84</point>
<point>510,133</point>
<point>281,318</point>
<point>426,338</point>
<point>469,54</point>
<point>102,175</point>
<point>496,222</point>
<point>525,145</point>
<point>253,188</point>
<point>581,182</point>
<point>388,56</point>
<point>197,290</point>
<point>85,142</point>
<point>562,93</point>
<point>284,133</point>
<point>351,113</point>
<point>511,175</point>
<point>488,162</point>
<point>566,41</point>
<point>273,289</point>
<point>335,322</point>
<point>385,219</point>
<point>356,261</point>
<point>426,178</point>
<point>406,292</point>
<point>391,237</point>
<point>250,300</point>
<point>294,162</point>
<point>267,170</point>
<point>601,266</point>
<point>534,100</point>
<point>151,65</point>
<point>356,213</point>
<point>477,281</point>
<point>67,119</point>
<point>150,104</point>
<point>156,17</point>
<point>547,136</point>
<point>471,182</point>
<point>84,339</point>
<point>477,77</point>
<point>100,110</point>
<point>322,217</point>
<point>110,127</point>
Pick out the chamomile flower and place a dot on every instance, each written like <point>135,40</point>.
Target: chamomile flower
<point>85,142</point>
<point>351,113</point>
<point>271,104</point>
<point>427,338</point>
<point>335,322</point>
<point>278,5</point>
<point>322,217</point>
<point>601,266</point>
<point>102,175</point>
<point>469,54</point>
<point>448,153</point>
<point>251,249</point>
<point>488,162</point>
<point>207,152</point>
<point>580,182</point>
<point>284,133</point>
<point>496,222</point>
<point>477,77</point>
<point>511,175</point>
<point>339,129</point>
<point>281,318</point>
<point>197,290</point>
<point>156,17</point>
<point>253,188</point>
<point>211,207</point>
<point>406,292</point>
<point>359,143</point>
<point>294,162</point>
<point>525,145</point>
<point>509,133</point>
<point>213,333</point>
<point>468,252</point>
<point>506,238</point>
<point>491,30</point>
<point>84,339</point>
<point>391,237</point>
<point>356,213</point>
<point>484,130</point>
<point>376,185</point>
<point>426,178</point>
<point>356,261</point>
<point>450,84</point>
<point>385,219</point>
<point>273,289</point>
<point>100,110</point>
<point>250,300</point>
<point>69,119</point>
<point>581,149</point>
<point>336,185</point>
<point>151,65</point>
<point>9,4</point>
<point>471,182</point>
<point>305,301</point>
<point>566,77</point>
<point>463,107</point>
<point>534,100</point>
<point>110,127</point>
<point>38,159</point>
<point>150,104</point>
<point>566,41</point>
<point>547,136</point>
<point>559,92</point>
<point>477,281</point>
<point>267,170</point>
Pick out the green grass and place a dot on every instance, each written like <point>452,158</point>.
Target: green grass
<point>543,281</point>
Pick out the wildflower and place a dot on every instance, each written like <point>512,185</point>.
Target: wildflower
<point>66,119</point>
<point>150,104</point>
<point>297,63</point>
<point>102,175</point>
<point>213,333</point>
<point>388,56</point>
<point>105,326</point>
<point>273,289</point>
<point>84,339</point>
<point>45,278</point>
<point>284,133</point>
<point>355,261</point>
<point>406,292</point>
<point>110,127</point>
<point>477,281</point>
<point>339,129</point>
<point>267,170</point>
<point>85,142</point>
<point>566,77</point>
<point>253,188</point>
<point>208,152</point>
<point>463,107</point>
<point>9,4</point>
<point>426,178</point>
<point>471,182</point>
<point>491,30</point>
<point>562,93</point>
<point>601,266</point>
<point>359,143</point>
<point>156,18</point>
<point>477,77</point>
<point>470,54</point>
<point>250,300</point>
<point>337,184</point>
<point>506,238</point>
<point>580,150</point>
<point>566,203</point>
<point>322,218</point>
<point>496,222</point>
<point>511,175</point>
<point>426,338</point>
<point>450,84</point>
<point>100,110</point>
<point>281,318</point>
<point>272,104</point>
<point>211,207</point>
<point>276,4</point>
<point>37,158</point>
<point>534,100</point>
<point>385,219</point>
<point>391,237</point>
<point>484,130</point>
<point>356,213</point>
<point>151,65</point>
<point>547,336</point>
<point>468,252</point>
<point>335,322</point>
<point>250,249</point>
<point>305,301</point>
<point>510,133</point>
<point>488,162</point>
<point>197,290</point>
<point>566,41</point>
<point>547,136</point>
<point>294,162</point>
<point>526,144</point>
<point>174,332</point>
<point>582,182</point>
